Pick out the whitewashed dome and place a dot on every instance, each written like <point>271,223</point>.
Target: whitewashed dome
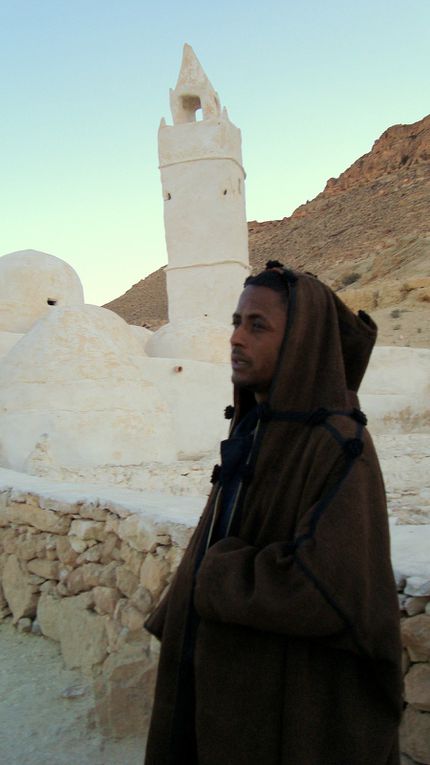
<point>31,283</point>
<point>76,381</point>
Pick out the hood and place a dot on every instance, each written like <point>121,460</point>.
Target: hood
<point>324,354</point>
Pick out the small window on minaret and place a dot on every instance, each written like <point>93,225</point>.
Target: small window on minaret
<point>50,301</point>
<point>190,105</point>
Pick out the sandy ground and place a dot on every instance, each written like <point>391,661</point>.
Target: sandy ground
<point>46,710</point>
<point>405,463</point>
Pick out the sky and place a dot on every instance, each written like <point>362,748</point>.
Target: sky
<point>84,84</point>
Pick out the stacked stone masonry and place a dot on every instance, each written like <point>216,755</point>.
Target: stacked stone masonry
<point>414,601</point>
<point>87,575</point>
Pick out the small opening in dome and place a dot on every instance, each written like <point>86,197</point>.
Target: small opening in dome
<point>50,301</point>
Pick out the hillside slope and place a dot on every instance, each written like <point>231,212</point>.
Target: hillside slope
<point>367,235</point>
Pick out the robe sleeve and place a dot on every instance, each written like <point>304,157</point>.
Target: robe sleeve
<point>322,585</point>
<point>263,589</point>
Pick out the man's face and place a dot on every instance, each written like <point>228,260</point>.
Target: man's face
<point>259,325</point>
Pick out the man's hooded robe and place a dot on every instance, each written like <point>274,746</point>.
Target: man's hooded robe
<point>280,641</point>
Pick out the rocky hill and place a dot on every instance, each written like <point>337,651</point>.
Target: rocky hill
<point>367,235</point>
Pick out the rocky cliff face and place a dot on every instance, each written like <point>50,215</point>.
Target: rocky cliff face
<point>367,235</point>
<point>401,147</point>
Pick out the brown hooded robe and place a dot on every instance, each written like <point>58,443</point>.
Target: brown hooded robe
<point>280,642</point>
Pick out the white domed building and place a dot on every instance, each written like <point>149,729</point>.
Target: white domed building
<point>74,384</point>
<point>77,390</point>
<point>31,283</point>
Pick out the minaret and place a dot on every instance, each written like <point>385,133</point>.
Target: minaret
<point>202,179</point>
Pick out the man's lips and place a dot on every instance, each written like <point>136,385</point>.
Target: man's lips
<point>237,362</point>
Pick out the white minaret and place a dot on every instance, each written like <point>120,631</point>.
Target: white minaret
<point>202,178</point>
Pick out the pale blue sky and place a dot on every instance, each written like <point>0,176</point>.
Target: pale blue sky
<point>84,83</point>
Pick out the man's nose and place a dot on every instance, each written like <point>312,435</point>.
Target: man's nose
<point>237,337</point>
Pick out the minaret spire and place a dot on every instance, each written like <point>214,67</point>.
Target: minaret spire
<point>193,91</point>
<point>205,221</point>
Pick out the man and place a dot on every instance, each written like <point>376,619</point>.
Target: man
<point>280,637</point>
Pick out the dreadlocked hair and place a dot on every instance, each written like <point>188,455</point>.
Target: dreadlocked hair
<point>275,276</point>
<point>273,264</point>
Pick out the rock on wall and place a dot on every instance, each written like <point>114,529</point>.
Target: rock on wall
<point>415,625</point>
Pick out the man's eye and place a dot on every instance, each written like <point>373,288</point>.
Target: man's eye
<point>257,325</point>
<point>235,322</point>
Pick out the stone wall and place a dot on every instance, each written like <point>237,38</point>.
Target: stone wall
<point>414,599</point>
<point>87,576</point>
<point>87,573</point>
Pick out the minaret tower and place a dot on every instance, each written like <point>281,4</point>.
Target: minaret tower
<point>202,179</point>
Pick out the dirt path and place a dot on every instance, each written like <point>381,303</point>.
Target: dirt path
<point>46,710</point>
